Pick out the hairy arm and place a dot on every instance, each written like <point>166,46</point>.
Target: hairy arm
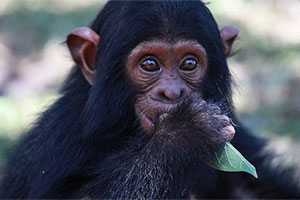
<point>167,163</point>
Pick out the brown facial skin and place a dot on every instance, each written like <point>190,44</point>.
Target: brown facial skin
<point>164,74</point>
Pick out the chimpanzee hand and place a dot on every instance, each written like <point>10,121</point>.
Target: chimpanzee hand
<point>196,122</point>
<point>211,119</point>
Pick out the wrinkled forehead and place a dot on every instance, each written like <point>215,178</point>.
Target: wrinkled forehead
<point>157,45</point>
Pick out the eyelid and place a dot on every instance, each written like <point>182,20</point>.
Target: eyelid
<point>189,56</point>
<point>146,57</point>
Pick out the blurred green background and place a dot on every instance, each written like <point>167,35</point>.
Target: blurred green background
<point>266,67</point>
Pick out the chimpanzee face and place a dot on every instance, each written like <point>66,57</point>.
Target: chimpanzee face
<point>164,73</point>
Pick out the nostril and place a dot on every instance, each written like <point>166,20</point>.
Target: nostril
<point>170,94</point>
<point>182,92</point>
<point>163,96</point>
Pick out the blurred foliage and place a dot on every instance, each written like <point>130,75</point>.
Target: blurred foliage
<point>16,117</point>
<point>265,66</point>
<point>26,30</point>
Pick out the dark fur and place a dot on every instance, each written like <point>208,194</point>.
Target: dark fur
<point>76,148</point>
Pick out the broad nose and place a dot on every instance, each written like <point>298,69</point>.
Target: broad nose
<point>171,92</point>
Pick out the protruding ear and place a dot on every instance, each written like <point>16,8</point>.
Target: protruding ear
<point>82,43</point>
<point>228,35</point>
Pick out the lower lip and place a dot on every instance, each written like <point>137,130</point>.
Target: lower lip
<point>148,122</point>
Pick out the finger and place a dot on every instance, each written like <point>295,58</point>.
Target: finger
<point>228,133</point>
<point>223,120</point>
<point>214,109</point>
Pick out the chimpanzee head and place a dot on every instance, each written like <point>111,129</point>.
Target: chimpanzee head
<point>151,55</point>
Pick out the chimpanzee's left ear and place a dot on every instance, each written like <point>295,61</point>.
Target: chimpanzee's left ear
<point>82,43</point>
<point>228,35</point>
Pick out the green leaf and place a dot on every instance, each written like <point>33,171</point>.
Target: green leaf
<point>229,159</point>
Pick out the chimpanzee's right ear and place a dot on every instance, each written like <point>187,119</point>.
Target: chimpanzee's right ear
<point>82,43</point>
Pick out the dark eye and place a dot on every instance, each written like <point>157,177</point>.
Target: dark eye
<point>189,64</point>
<point>150,65</point>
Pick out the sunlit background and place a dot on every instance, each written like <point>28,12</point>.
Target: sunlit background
<point>266,65</point>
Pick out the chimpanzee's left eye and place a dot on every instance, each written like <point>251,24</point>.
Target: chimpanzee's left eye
<point>189,65</point>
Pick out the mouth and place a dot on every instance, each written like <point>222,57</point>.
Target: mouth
<point>147,118</point>
<point>145,121</point>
